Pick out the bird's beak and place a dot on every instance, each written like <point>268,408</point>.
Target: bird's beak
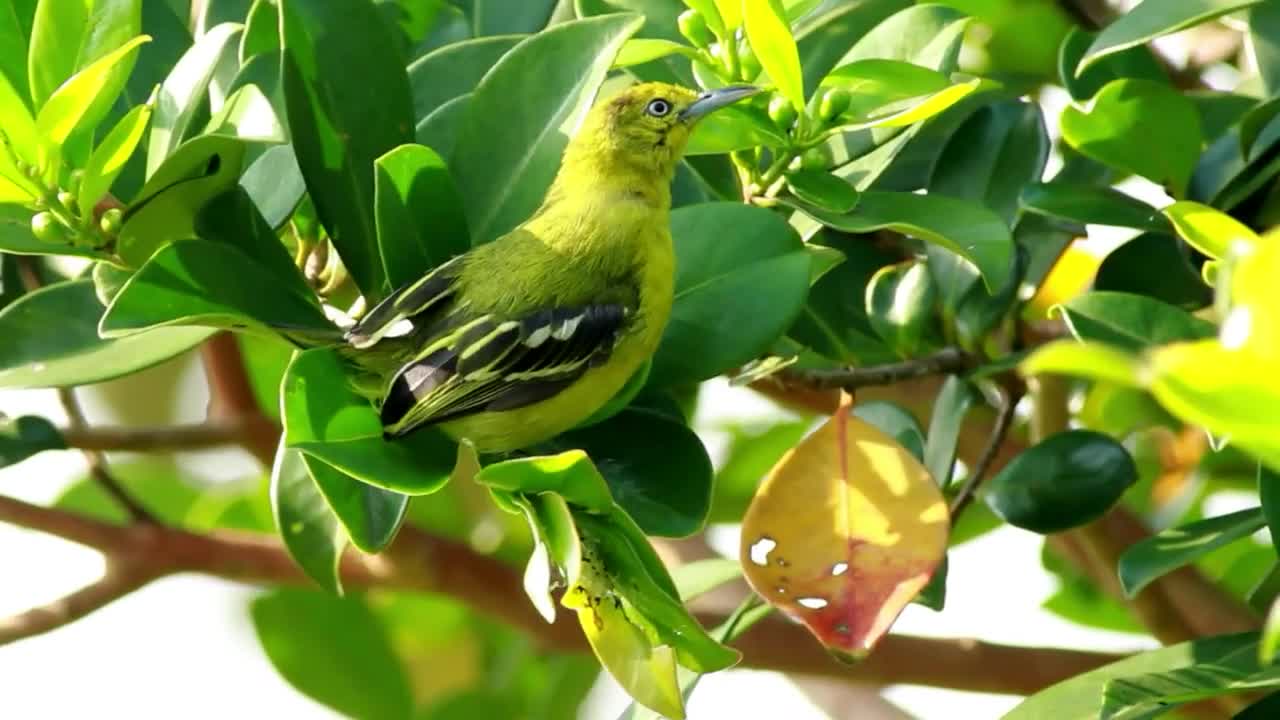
<point>712,100</point>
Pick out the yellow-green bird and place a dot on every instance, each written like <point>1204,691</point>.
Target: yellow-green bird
<point>525,337</point>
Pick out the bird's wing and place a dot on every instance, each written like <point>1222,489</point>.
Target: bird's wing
<point>490,362</point>
<point>393,317</point>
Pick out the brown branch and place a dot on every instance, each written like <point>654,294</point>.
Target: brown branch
<point>421,562</point>
<point>232,396</point>
<point>116,582</point>
<point>1004,421</point>
<point>157,439</point>
<point>947,360</point>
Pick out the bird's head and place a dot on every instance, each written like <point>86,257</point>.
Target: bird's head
<point>646,127</point>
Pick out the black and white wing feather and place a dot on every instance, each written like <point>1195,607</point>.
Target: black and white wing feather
<point>480,363</point>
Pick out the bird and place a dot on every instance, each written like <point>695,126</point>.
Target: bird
<point>520,339</point>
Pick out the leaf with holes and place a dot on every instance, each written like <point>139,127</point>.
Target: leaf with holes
<point>843,533</point>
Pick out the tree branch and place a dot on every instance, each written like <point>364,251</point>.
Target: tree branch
<point>947,360</point>
<point>157,439</point>
<point>1004,421</point>
<point>232,396</point>
<point>420,562</point>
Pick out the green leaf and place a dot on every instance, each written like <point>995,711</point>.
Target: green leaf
<point>700,577</point>
<point>232,218</point>
<point>927,35</point>
<point>900,306</point>
<point>999,150</point>
<point>971,231</point>
<point>16,236</point>
<point>166,208</point>
<point>896,422</point>
<point>1141,127</point>
<point>16,18</point>
<point>503,183</point>
<point>765,22</point>
<point>454,70</point>
<point>324,417</point>
<point>439,130</point>
<point>734,296</point>
<point>274,182</point>
<point>669,493</point>
<point>1210,231</point>
<point>1168,550</point>
<point>1065,481</point>
<point>752,452</point>
<point>823,189</point>
<point>109,158</point>
<point>56,31</point>
<point>307,525</point>
<point>1131,322</point>
<point>638,51</point>
<point>261,31</point>
<point>875,82</point>
<point>1264,38</point>
<point>334,650</point>
<point>22,437</point>
<point>733,128</point>
<point>570,474</point>
<point>1128,269</point>
<point>348,104</point>
<point>184,93</point>
<point>1135,62</point>
<point>834,320</point>
<point>498,17</point>
<point>1080,697</point>
<point>419,215</point>
<point>824,40</point>
<point>214,284</point>
<point>76,103</point>
<point>1269,497</point>
<point>1144,696</point>
<point>1150,20</point>
<point>369,515</point>
<point>949,410</point>
<point>60,346</point>
<point>1090,360</point>
<point>1091,204</point>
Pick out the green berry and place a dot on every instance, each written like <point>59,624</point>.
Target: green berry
<point>782,112</point>
<point>67,200</point>
<point>111,221</point>
<point>815,158</point>
<point>833,103</point>
<point>46,228</point>
<point>694,27</point>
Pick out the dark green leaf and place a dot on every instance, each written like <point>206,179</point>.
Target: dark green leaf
<point>1264,38</point>
<point>1135,62</point>
<point>420,221</point>
<point>214,284</point>
<point>823,189</point>
<point>184,93</point>
<point>60,345</point>
<point>1132,322</point>
<point>734,296</point>
<point>1269,497</point>
<point>895,422</point>
<point>999,150</point>
<point>1064,481</point>
<point>1141,127</point>
<point>1080,698</point>
<point>499,17</point>
<point>1166,551</point>
<point>824,39</point>
<point>454,70</point>
<point>349,103</point>
<point>56,32</point>
<point>1264,709</point>
<point>324,417</point>
<point>668,493</point>
<point>16,18</point>
<point>233,219</point>
<point>901,300</point>
<point>503,183</point>
<point>1148,21</point>
<point>1128,269</point>
<point>310,530</point>
<point>949,409</point>
<point>972,231</point>
<point>1220,111</point>
<point>261,31</point>
<point>1091,204</point>
<point>335,651</point>
<point>370,515</point>
<point>274,183</point>
<point>834,320</point>
<point>22,437</point>
<point>1145,696</point>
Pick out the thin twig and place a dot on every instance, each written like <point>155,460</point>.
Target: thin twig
<point>947,360</point>
<point>98,462</point>
<point>156,439</point>
<point>1004,421</point>
<point>418,562</point>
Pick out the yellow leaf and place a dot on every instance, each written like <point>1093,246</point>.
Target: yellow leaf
<point>844,532</point>
<point>1071,275</point>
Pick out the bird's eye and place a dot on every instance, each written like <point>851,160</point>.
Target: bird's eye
<point>658,108</point>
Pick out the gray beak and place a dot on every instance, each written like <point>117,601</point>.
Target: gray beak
<point>712,100</point>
